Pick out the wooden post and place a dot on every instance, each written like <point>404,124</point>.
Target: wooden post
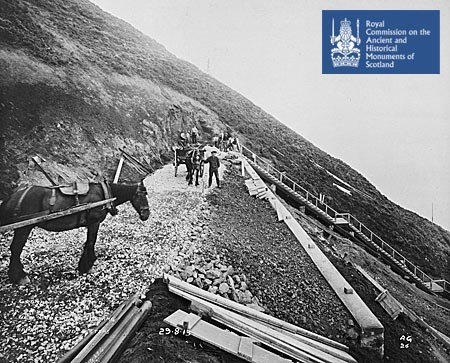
<point>119,169</point>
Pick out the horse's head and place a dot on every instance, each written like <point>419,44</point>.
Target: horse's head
<point>140,202</point>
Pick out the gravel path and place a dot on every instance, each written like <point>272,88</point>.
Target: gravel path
<point>41,321</point>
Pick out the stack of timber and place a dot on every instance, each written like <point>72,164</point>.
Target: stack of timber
<point>107,341</point>
<point>256,187</point>
<point>260,335</point>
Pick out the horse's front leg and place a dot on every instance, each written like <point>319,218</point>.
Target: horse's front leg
<point>88,257</point>
<point>16,273</point>
<point>196,177</point>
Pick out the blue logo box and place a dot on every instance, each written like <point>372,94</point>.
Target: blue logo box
<point>380,41</point>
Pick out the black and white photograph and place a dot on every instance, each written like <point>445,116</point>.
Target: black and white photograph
<point>224,181</point>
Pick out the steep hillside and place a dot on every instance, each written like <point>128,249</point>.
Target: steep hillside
<point>77,83</point>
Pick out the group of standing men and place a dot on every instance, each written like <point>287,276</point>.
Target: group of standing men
<point>191,137</point>
<point>225,141</point>
<point>187,137</point>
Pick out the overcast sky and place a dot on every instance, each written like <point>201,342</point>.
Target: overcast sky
<point>394,129</point>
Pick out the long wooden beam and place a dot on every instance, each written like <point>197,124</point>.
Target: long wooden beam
<point>109,351</point>
<point>119,314</point>
<point>124,306</point>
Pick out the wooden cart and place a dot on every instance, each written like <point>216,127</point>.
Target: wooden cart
<point>180,154</point>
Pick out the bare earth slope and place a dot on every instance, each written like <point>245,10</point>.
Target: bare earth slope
<point>77,83</point>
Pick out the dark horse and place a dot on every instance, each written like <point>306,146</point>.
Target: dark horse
<point>38,200</point>
<point>193,165</point>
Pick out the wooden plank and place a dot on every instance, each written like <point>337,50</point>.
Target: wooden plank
<point>385,299</point>
<point>190,321</point>
<point>280,215</point>
<point>55,215</point>
<point>206,332</point>
<point>433,286</point>
<point>251,171</point>
<point>369,323</point>
<point>299,354</point>
<point>243,162</point>
<point>119,169</point>
<point>245,349</point>
<point>274,339</point>
<point>225,340</point>
<point>248,182</point>
<point>389,304</point>
<point>340,221</point>
<point>263,195</point>
<point>317,349</point>
<point>303,349</point>
<point>246,311</point>
<point>252,193</point>
<point>369,278</point>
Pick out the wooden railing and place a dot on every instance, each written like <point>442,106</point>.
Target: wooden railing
<point>333,214</point>
<point>373,237</point>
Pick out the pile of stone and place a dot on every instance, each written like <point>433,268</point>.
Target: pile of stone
<point>215,277</point>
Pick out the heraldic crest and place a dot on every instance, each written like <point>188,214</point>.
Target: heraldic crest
<point>345,54</point>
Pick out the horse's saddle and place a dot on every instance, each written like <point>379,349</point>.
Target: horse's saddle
<point>74,189</point>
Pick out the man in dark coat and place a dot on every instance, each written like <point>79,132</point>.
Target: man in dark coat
<point>214,164</point>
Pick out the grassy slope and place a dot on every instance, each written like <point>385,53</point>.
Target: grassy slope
<point>103,79</point>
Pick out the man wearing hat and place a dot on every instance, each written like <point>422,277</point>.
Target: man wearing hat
<point>214,164</point>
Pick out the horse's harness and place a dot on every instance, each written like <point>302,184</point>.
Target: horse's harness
<point>196,159</point>
<point>75,189</point>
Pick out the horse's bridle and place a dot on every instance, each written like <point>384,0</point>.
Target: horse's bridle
<point>143,193</point>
